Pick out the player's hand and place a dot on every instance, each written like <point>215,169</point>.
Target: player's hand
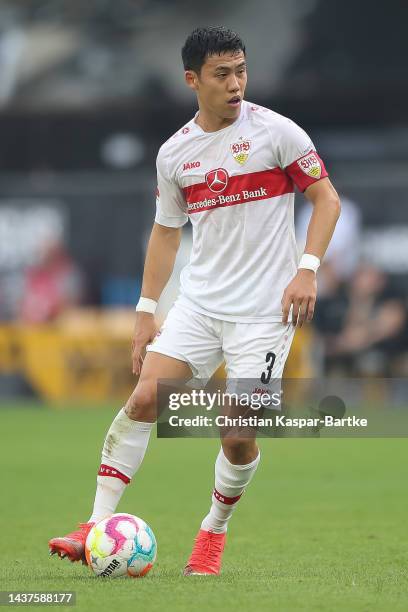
<point>301,294</point>
<point>144,333</point>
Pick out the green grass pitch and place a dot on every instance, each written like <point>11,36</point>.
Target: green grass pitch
<point>323,525</point>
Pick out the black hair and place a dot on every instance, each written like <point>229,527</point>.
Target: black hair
<point>203,42</point>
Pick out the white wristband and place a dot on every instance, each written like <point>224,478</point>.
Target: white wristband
<point>146,305</point>
<point>309,262</point>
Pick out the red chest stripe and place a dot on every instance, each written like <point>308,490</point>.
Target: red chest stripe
<point>240,189</point>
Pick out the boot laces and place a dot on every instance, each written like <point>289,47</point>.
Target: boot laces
<point>208,549</point>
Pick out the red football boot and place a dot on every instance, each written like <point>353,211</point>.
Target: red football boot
<point>207,554</point>
<point>72,545</point>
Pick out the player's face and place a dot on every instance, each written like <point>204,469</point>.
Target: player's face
<point>220,86</point>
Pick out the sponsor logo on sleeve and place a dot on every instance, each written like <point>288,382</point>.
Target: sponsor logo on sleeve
<point>240,150</point>
<point>310,165</point>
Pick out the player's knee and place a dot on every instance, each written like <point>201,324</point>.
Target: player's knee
<point>141,406</point>
<point>240,451</point>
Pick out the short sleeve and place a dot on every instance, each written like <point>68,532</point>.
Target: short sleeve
<point>298,156</point>
<point>170,203</point>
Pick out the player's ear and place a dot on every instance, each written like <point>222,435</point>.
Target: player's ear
<point>191,79</point>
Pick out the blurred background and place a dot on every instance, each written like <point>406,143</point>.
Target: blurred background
<point>89,91</point>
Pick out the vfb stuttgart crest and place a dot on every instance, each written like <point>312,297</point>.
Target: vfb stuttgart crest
<point>310,165</point>
<point>240,150</point>
<point>217,180</point>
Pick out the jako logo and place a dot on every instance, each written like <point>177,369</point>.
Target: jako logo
<point>111,568</point>
<point>191,165</point>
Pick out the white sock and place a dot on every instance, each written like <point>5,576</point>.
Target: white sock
<point>123,451</point>
<point>230,483</point>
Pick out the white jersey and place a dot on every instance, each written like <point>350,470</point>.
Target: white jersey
<point>236,185</point>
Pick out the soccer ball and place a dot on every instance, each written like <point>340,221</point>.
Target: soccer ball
<point>121,545</point>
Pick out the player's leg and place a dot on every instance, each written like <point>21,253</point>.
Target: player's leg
<point>255,357</point>
<point>235,466</point>
<point>128,436</point>
<point>124,448</point>
<point>246,349</point>
<point>186,346</point>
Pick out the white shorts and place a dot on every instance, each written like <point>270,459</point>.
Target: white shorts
<point>250,350</point>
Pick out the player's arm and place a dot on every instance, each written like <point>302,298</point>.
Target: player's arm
<point>161,253</point>
<point>302,290</point>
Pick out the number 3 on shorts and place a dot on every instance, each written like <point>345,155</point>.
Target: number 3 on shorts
<point>270,360</point>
